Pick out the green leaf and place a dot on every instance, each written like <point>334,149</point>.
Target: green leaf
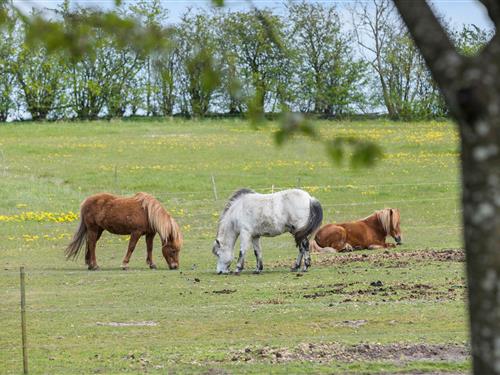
<point>365,154</point>
<point>218,3</point>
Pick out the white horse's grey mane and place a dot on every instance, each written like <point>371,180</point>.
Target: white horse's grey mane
<point>237,194</point>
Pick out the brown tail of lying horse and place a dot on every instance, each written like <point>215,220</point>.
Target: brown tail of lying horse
<point>79,238</point>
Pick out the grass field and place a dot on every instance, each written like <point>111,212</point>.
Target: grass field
<point>328,320</point>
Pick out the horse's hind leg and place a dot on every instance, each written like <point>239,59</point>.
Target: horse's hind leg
<point>134,237</point>
<point>244,244</point>
<point>296,266</point>
<point>149,245</point>
<point>90,259</point>
<point>304,245</point>
<point>258,254</point>
<point>303,254</point>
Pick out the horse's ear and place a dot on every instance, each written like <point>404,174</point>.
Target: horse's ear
<point>217,242</point>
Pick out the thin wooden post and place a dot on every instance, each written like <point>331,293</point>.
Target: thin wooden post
<point>23,323</point>
<point>272,189</point>
<point>298,182</point>
<point>116,177</point>
<point>215,188</point>
<point>4,165</point>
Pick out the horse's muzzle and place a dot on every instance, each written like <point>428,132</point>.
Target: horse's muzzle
<point>174,266</point>
<point>398,240</point>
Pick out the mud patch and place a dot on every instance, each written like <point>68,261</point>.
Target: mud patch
<point>395,292</point>
<point>128,324</point>
<point>224,291</point>
<point>352,323</point>
<point>329,352</point>
<point>272,301</point>
<point>396,259</point>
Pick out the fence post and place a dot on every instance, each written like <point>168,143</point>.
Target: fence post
<point>215,188</point>
<point>272,189</point>
<point>4,164</point>
<point>23,323</point>
<point>116,178</point>
<point>298,182</point>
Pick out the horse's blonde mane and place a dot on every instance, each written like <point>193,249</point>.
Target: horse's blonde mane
<point>384,216</point>
<point>160,220</point>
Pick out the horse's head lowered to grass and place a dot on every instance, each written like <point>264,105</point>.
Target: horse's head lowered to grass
<point>172,247</point>
<point>224,256</point>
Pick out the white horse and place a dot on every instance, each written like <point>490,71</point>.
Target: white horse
<point>251,215</point>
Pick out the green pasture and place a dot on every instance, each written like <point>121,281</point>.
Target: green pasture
<point>191,320</point>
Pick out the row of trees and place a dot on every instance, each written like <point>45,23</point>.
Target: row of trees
<point>229,62</point>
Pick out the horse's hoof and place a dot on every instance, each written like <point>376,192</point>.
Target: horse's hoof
<point>125,268</point>
<point>94,268</point>
<point>257,272</point>
<point>237,273</point>
<point>294,269</point>
<point>153,266</point>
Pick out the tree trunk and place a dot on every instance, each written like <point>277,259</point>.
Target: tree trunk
<point>471,90</point>
<point>481,217</point>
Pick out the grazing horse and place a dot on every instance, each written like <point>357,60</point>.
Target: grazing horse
<point>139,215</point>
<point>368,233</point>
<point>251,215</point>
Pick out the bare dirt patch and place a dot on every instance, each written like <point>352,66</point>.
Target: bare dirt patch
<point>128,324</point>
<point>329,352</point>
<point>394,292</point>
<point>397,259</point>
<point>224,291</point>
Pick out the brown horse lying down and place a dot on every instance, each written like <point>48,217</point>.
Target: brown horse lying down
<point>368,233</point>
<point>139,215</point>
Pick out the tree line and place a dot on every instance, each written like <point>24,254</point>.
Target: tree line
<point>249,62</point>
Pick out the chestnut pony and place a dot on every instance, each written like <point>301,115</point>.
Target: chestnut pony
<point>139,215</point>
<point>368,233</point>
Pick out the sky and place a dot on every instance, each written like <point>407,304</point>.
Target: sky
<point>456,12</point>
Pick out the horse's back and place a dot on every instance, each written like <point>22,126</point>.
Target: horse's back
<point>116,214</point>
<point>359,234</point>
<point>273,214</point>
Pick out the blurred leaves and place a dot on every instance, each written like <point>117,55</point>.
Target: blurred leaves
<point>218,3</point>
<point>362,153</point>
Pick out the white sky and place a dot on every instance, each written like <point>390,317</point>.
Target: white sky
<point>456,12</point>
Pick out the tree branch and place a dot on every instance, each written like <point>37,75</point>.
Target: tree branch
<point>432,41</point>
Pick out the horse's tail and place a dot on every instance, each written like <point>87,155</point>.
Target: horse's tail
<point>313,223</point>
<point>79,238</point>
<point>315,248</point>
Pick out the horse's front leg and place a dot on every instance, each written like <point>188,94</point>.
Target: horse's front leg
<point>134,237</point>
<point>149,245</point>
<point>244,244</point>
<point>258,254</point>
